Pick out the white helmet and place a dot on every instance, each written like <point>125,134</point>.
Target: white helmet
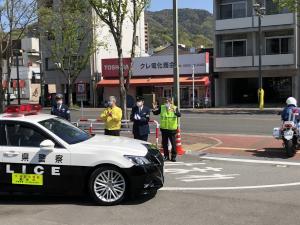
<point>291,101</point>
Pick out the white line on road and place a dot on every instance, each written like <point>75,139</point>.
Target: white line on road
<point>228,188</point>
<point>251,161</point>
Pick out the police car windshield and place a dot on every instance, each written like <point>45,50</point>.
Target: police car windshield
<point>65,130</point>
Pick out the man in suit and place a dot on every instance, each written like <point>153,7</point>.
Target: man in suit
<point>140,115</point>
<point>60,109</point>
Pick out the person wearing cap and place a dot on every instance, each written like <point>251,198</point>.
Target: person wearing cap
<point>291,103</point>
<point>112,117</point>
<point>59,109</point>
<point>140,115</point>
<point>169,114</point>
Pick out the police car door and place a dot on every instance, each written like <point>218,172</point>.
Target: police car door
<point>25,164</point>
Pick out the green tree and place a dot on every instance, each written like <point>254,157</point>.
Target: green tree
<point>15,16</point>
<point>70,28</point>
<point>200,40</point>
<point>113,13</point>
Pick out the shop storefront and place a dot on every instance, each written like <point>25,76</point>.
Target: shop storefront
<point>153,75</point>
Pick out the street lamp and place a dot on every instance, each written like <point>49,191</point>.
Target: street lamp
<point>260,12</point>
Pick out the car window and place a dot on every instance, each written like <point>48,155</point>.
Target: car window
<point>65,130</point>
<point>23,135</point>
<point>2,135</point>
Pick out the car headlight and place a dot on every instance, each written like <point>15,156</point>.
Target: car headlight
<point>137,160</point>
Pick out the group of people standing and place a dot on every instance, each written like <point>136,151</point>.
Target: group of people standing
<point>140,116</point>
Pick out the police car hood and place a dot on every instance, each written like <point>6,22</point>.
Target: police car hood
<point>122,144</point>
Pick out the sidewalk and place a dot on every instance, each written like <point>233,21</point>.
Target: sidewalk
<point>259,147</point>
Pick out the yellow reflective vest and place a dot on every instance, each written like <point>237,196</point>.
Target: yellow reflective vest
<point>112,118</point>
<point>168,119</point>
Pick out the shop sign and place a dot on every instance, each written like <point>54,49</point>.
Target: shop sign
<point>81,92</point>
<point>164,65</point>
<point>110,67</point>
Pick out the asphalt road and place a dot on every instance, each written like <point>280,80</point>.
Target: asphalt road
<point>216,123</point>
<point>196,192</point>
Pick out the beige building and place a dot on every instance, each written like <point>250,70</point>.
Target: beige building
<point>236,53</point>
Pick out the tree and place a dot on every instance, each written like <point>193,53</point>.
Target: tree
<point>292,5</point>
<point>138,7</point>
<point>70,27</point>
<point>15,16</point>
<point>113,13</point>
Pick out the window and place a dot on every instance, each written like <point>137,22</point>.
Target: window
<point>23,135</point>
<point>20,59</point>
<point>234,48</point>
<point>137,40</point>
<point>279,45</point>
<point>2,135</point>
<point>65,130</point>
<point>233,10</point>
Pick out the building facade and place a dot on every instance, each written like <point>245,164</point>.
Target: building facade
<point>29,70</point>
<point>236,53</point>
<point>152,77</point>
<point>93,72</point>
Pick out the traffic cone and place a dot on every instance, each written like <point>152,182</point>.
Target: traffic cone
<point>179,148</point>
<point>91,128</point>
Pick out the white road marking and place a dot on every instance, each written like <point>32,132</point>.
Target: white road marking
<point>251,161</point>
<point>232,148</point>
<point>229,118</point>
<point>194,178</point>
<point>231,135</point>
<point>182,164</point>
<point>228,188</point>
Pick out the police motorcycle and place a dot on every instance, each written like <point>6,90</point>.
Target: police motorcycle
<point>289,133</point>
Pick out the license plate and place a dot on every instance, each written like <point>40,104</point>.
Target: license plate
<point>27,179</point>
<point>288,134</point>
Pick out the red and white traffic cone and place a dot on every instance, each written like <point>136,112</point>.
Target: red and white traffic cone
<point>179,148</point>
<point>91,128</point>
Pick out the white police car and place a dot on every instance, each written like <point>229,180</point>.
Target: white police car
<point>45,154</point>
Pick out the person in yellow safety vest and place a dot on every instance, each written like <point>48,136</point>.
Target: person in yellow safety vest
<point>169,114</point>
<point>112,117</point>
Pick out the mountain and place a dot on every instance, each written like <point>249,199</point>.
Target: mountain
<point>195,27</point>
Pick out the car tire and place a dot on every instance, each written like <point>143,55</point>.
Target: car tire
<point>107,186</point>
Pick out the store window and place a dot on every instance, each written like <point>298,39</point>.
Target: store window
<point>233,10</point>
<point>234,48</point>
<point>279,45</point>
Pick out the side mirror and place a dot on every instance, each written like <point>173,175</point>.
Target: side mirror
<point>47,145</point>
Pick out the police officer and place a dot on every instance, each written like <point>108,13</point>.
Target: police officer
<point>60,109</point>
<point>291,103</point>
<point>169,114</point>
<point>112,117</point>
<point>140,115</point>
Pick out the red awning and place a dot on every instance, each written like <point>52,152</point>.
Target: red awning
<point>21,83</point>
<point>204,81</point>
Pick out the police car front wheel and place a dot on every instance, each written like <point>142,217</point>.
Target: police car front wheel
<point>107,186</point>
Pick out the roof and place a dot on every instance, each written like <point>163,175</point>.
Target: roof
<point>204,81</point>
<point>32,118</point>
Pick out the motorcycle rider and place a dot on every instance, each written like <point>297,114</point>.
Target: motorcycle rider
<point>291,103</point>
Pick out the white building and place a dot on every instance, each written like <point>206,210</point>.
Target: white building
<point>29,70</point>
<point>236,53</point>
<point>92,74</point>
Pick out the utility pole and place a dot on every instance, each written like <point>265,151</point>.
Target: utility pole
<point>193,76</point>
<point>176,93</point>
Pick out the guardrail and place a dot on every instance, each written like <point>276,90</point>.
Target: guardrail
<point>97,126</point>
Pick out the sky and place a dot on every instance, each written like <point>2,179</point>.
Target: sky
<point>157,5</point>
